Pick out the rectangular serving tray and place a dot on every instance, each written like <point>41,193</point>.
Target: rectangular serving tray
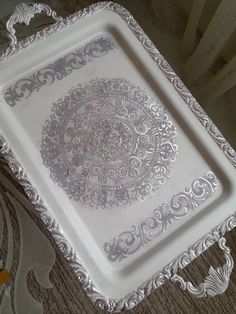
<point>122,164</point>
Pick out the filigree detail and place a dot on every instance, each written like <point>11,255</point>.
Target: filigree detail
<point>23,13</point>
<point>100,300</point>
<point>108,144</point>
<point>180,205</point>
<point>151,49</point>
<point>135,297</point>
<point>58,70</point>
<point>217,280</point>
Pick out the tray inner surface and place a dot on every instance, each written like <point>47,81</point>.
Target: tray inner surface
<point>104,141</point>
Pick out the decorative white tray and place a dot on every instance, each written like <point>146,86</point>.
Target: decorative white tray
<point>123,165</point>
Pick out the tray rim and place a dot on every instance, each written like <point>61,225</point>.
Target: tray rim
<point>72,257</point>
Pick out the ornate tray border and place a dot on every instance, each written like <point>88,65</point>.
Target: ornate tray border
<point>169,272</point>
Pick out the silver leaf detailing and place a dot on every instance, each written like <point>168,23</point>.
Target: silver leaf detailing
<point>180,205</point>
<point>71,256</point>
<point>73,259</point>
<point>108,143</point>
<point>217,280</point>
<point>23,13</point>
<point>58,70</point>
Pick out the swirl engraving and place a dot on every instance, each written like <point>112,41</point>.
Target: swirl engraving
<point>108,144</point>
<point>58,70</point>
<point>23,13</point>
<point>180,205</point>
<point>102,301</point>
<point>71,256</point>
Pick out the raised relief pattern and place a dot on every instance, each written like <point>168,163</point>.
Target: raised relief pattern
<point>108,144</point>
<point>180,205</point>
<point>71,256</point>
<point>58,70</point>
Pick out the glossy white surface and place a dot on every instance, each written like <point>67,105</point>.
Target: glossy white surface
<point>88,228</point>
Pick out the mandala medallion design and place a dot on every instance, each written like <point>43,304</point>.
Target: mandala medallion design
<point>108,143</point>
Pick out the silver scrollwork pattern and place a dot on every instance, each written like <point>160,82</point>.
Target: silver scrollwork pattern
<point>58,70</point>
<point>72,257</point>
<point>180,205</point>
<point>217,280</point>
<point>23,13</point>
<point>108,143</point>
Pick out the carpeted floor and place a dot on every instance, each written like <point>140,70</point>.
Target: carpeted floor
<point>65,296</point>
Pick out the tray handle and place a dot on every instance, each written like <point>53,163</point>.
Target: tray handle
<point>217,280</point>
<point>23,13</point>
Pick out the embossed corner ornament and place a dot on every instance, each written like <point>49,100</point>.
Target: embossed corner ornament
<point>23,13</point>
<point>108,143</point>
<point>217,280</point>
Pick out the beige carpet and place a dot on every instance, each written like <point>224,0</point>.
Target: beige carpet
<point>66,296</point>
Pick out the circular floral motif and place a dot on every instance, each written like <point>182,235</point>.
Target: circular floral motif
<point>108,144</point>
